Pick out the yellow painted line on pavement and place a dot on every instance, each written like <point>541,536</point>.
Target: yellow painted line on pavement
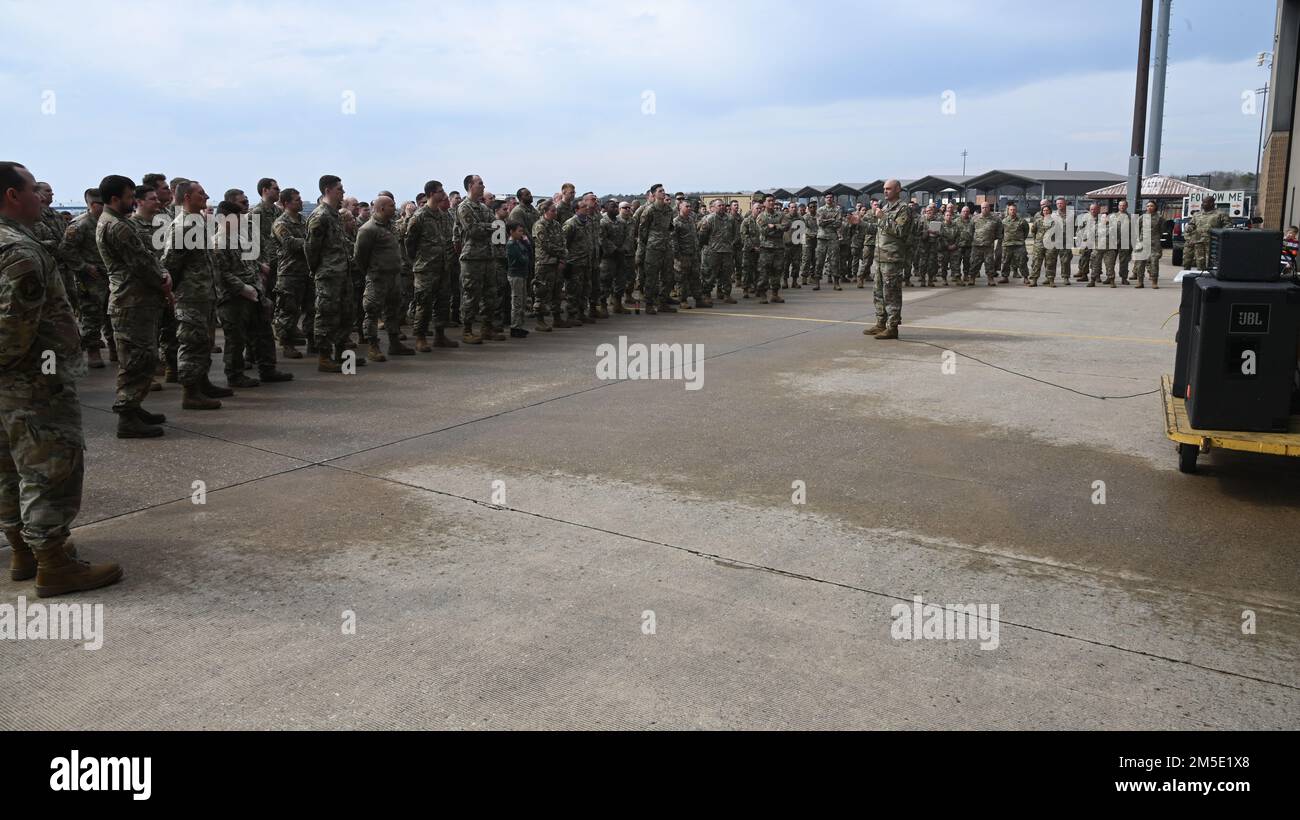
<point>908,326</point>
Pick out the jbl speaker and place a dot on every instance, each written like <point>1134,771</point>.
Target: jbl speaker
<point>1242,357</point>
<point>1187,308</point>
<point>1246,256</point>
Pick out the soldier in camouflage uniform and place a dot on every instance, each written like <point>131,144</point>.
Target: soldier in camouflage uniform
<point>187,258</point>
<point>379,263</point>
<point>718,235</point>
<point>946,246</point>
<point>294,293</point>
<point>550,249</point>
<point>1104,250</point>
<point>654,251</point>
<point>985,232</point>
<point>49,230</point>
<point>1015,232</point>
<point>476,266</point>
<point>1057,246</point>
<point>1147,246</point>
<point>153,234</point>
<point>749,249</point>
<point>857,235</point>
<point>329,257</point>
<point>613,258</point>
<point>137,286</point>
<point>961,266</point>
<point>927,253</point>
<point>1086,236</point>
<point>1038,228</point>
<point>526,215</point>
<point>267,211</point>
<point>429,246</point>
<point>1124,250</point>
<point>868,243</point>
<point>686,253</point>
<point>242,303</point>
<point>808,262</point>
<point>81,255</point>
<point>829,219</point>
<point>41,440</point>
<point>1196,253</point>
<point>916,244</point>
<point>893,232</point>
<point>770,224</point>
<point>577,262</point>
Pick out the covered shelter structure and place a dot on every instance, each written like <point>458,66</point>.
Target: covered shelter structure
<point>1040,184</point>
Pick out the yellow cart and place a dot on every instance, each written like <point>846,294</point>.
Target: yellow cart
<point>1192,442</point>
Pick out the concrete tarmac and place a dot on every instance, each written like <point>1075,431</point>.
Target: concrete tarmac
<point>523,545</point>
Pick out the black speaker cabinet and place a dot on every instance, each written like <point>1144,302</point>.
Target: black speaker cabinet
<point>1242,360</point>
<point>1246,256</point>
<point>1187,308</point>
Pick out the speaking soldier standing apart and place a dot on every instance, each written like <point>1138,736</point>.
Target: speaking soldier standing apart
<point>893,229</point>
<point>41,443</point>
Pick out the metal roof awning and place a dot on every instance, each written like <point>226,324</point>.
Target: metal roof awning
<point>1155,186</point>
<point>934,184</point>
<point>1053,181</point>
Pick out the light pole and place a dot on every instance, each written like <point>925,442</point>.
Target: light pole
<point>1263,59</point>
<point>963,161</point>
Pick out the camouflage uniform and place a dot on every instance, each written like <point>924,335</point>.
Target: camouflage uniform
<point>808,266</point>
<point>135,304</point>
<point>965,238</point>
<point>613,260</point>
<point>268,253</point>
<point>192,286</point>
<point>686,252</point>
<point>749,251</point>
<point>527,216</point>
<point>1124,250</point>
<point>1103,251</point>
<point>549,249</point>
<point>655,252</point>
<point>985,231</point>
<point>152,235</point>
<point>1086,238</point>
<point>718,235</point>
<point>49,232</point>
<point>82,257</point>
<point>329,256</point>
<point>41,443</point>
<point>577,265</point>
<point>946,248</point>
<point>406,280</point>
<point>1148,240</point>
<point>1014,256</point>
<point>379,264</point>
<point>829,220</point>
<point>926,256</point>
<point>1056,247</point>
<point>868,245</point>
<point>243,321</point>
<point>477,270</point>
<point>429,246</point>
<point>893,233</point>
<point>1196,253</point>
<point>857,235</point>
<point>770,227</point>
<point>294,289</point>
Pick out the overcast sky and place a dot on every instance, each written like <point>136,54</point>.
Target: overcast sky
<point>614,96</point>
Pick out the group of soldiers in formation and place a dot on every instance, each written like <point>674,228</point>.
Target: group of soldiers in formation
<point>149,271</point>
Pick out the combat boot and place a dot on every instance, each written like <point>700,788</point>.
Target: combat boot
<point>149,418</point>
<point>192,398</point>
<point>129,425</point>
<point>396,348</point>
<point>888,333</point>
<point>422,345</point>
<point>94,359</point>
<point>879,327</point>
<point>618,304</point>
<point>270,374</point>
<point>440,339</point>
<point>762,297</point>
<point>207,388</point>
<point>325,364</point>
<point>373,353</point>
<point>290,352</point>
<point>541,325</point>
<point>59,574</point>
<point>22,564</point>
<point>468,336</point>
<point>492,334</point>
<point>242,381</point>
<point>601,312</point>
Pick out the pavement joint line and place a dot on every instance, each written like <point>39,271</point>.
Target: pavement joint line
<point>738,562</point>
<point>986,331</point>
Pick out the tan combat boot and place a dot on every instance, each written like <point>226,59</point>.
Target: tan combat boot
<point>327,365</point>
<point>192,398</point>
<point>468,336</point>
<point>290,352</point>
<point>422,345</point>
<point>59,574</point>
<point>879,327</point>
<point>888,333</point>
<point>373,353</point>
<point>22,565</point>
